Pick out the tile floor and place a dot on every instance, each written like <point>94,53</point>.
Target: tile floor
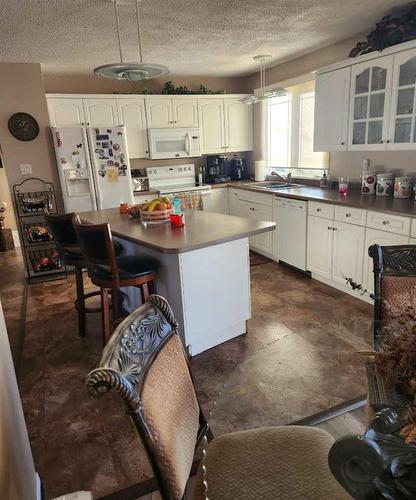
<point>297,359</point>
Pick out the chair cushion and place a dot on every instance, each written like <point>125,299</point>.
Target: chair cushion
<point>129,266</point>
<point>285,463</point>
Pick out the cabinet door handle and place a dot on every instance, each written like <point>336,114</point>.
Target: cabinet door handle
<point>388,141</point>
<point>334,229</point>
<point>347,215</point>
<point>82,123</point>
<point>329,228</point>
<point>319,209</point>
<point>342,143</point>
<point>385,222</point>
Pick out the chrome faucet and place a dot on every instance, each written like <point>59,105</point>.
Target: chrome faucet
<point>287,179</point>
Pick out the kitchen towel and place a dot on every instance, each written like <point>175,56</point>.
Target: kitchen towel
<point>259,167</point>
<point>190,201</point>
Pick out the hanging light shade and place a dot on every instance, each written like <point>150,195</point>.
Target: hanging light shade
<point>132,72</point>
<point>264,95</point>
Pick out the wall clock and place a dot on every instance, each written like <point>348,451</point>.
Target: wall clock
<point>23,126</point>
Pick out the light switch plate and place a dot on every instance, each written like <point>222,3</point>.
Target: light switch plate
<point>25,168</point>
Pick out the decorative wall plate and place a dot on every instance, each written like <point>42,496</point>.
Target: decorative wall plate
<point>23,126</point>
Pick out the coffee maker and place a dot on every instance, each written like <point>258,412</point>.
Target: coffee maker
<point>238,169</point>
<point>217,169</point>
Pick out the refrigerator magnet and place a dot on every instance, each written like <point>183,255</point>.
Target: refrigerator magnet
<point>119,133</point>
<point>101,172</point>
<point>109,131</point>
<point>122,170</point>
<point>110,163</point>
<point>112,174</point>
<point>110,152</point>
<point>116,146</point>
<point>116,164</point>
<point>105,144</point>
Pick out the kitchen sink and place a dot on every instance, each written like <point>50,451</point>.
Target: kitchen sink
<point>272,185</point>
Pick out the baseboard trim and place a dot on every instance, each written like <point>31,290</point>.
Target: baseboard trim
<point>39,489</point>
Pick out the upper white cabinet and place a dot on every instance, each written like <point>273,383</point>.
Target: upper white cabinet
<point>369,104</point>
<point>185,112</point>
<point>332,94</point>
<point>132,115</point>
<point>381,100</point>
<point>226,125</point>
<point>64,112</point>
<point>100,112</point>
<point>238,125</point>
<point>403,110</point>
<point>174,112</point>
<point>211,123</point>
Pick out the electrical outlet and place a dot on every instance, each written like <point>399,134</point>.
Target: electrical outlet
<point>25,168</point>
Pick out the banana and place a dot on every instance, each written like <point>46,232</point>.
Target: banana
<point>152,205</point>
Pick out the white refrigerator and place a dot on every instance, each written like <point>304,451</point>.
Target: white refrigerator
<point>93,165</point>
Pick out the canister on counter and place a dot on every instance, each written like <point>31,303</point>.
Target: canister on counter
<point>385,184</point>
<point>403,187</point>
<point>368,183</point>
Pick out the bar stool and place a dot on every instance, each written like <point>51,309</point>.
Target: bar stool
<point>63,231</point>
<point>110,272</point>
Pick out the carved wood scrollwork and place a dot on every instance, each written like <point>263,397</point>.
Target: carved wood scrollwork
<point>399,259</point>
<point>134,343</point>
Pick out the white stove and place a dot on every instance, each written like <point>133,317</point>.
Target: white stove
<point>175,179</point>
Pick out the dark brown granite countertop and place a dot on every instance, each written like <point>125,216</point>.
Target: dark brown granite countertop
<point>202,229</point>
<point>354,198</point>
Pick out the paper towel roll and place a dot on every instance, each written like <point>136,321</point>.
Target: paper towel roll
<point>259,173</point>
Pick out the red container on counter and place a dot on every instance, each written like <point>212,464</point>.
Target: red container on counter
<point>177,220</point>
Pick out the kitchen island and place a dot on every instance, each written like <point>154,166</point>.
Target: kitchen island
<point>204,270</point>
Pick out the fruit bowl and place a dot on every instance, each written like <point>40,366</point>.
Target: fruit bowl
<point>155,215</point>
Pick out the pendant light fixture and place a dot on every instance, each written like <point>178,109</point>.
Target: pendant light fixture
<point>264,94</point>
<point>132,72</point>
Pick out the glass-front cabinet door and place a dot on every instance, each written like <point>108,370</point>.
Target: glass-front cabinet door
<point>402,132</point>
<point>370,99</point>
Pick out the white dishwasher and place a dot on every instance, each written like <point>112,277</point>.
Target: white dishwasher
<point>291,223</point>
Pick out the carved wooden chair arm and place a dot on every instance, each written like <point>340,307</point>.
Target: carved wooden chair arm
<point>377,464</point>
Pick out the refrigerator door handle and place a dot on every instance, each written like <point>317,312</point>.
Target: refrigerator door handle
<point>91,170</point>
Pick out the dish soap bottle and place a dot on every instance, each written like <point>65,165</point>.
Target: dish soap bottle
<point>324,182</point>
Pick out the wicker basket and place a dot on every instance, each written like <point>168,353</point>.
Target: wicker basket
<point>156,215</point>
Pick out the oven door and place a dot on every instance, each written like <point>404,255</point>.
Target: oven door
<point>174,143</point>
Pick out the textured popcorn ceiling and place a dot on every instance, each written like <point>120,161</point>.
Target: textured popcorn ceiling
<point>191,37</point>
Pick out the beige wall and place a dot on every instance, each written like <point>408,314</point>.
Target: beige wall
<point>21,89</point>
<point>91,84</point>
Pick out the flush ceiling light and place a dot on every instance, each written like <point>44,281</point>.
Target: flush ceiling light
<point>132,72</point>
<point>264,94</point>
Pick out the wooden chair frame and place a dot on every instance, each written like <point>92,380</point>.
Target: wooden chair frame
<point>124,371</point>
<point>78,265</point>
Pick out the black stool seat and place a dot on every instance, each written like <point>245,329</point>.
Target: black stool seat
<point>129,266</point>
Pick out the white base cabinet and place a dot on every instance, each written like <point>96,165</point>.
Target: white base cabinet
<point>347,252</point>
<point>216,201</point>
<point>373,237</point>
<point>255,206</point>
<point>319,246</point>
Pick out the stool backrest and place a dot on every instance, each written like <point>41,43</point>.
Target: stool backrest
<point>145,363</point>
<point>63,231</point>
<point>97,246</point>
<point>394,284</point>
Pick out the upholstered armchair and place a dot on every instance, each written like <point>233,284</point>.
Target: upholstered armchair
<point>145,363</point>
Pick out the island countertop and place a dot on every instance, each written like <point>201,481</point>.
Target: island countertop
<point>202,229</point>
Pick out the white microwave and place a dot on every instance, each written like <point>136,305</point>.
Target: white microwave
<point>174,143</point>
